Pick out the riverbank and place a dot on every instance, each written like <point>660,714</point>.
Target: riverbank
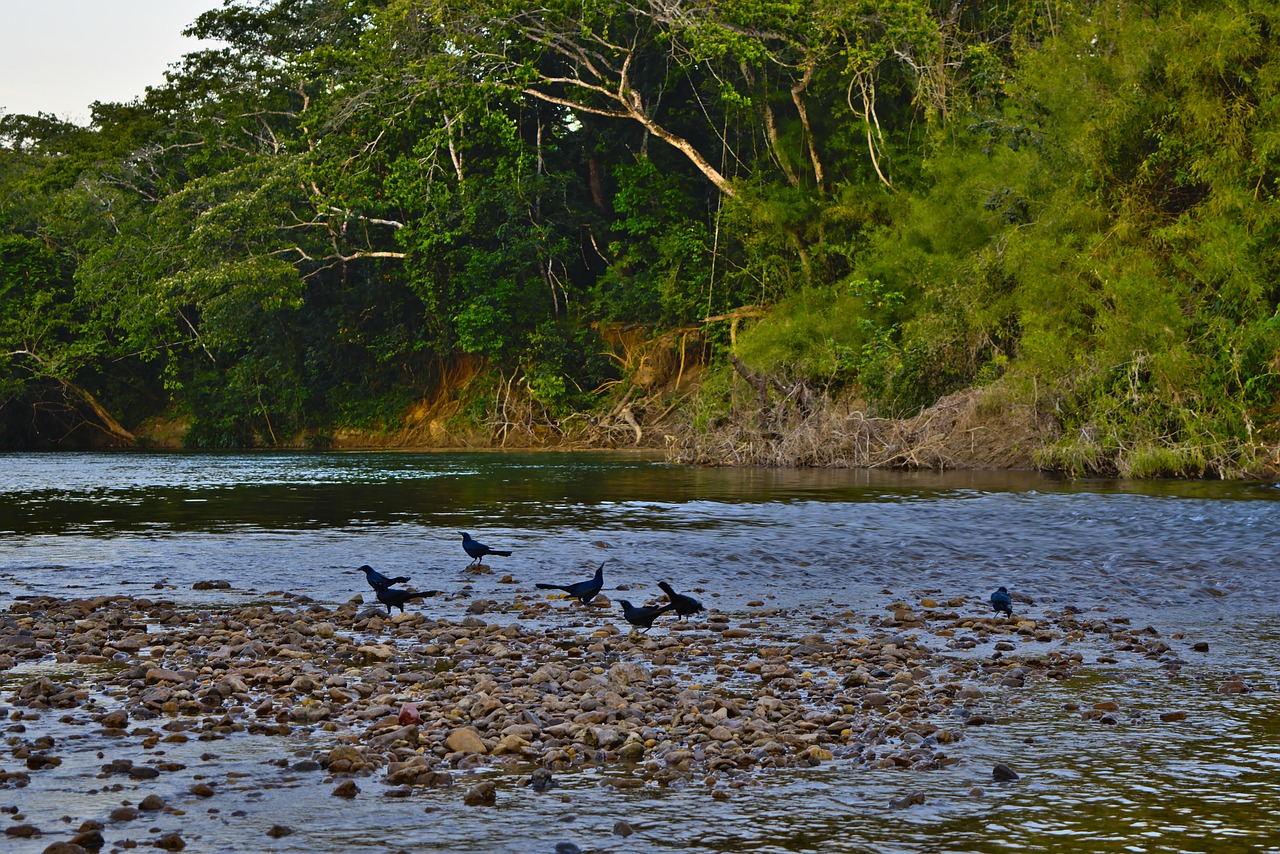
<point>971,430</point>
<point>511,703</point>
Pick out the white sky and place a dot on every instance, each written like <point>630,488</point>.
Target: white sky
<point>59,56</point>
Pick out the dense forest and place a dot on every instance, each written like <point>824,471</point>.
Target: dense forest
<point>606,220</point>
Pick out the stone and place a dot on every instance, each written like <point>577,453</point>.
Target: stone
<point>1004,773</point>
<point>1170,717</point>
<point>160,674</point>
<point>465,740</point>
<point>541,780</point>
<point>907,800</point>
<point>151,803</point>
<point>346,789</point>
<point>91,840</point>
<point>481,795</point>
<point>22,831</point>
<point>279,831</point>
<point>170,842</point>
<point>622,828</point>
<point>67,848</point>
<point>118,719</point>
<point>407,734</point>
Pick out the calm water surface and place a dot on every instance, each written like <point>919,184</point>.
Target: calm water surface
<point>1198,558</point>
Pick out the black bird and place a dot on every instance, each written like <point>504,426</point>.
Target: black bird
<point>583,590</point>
<point>1002,601</point>
<point>477,549</point>
<point>685,605</point>
<point>644,616</point>
<point>394,596</point>
<point>377,580</point>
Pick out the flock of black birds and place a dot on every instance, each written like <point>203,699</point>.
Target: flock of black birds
<point>642,616</point>
<point>584,591</point>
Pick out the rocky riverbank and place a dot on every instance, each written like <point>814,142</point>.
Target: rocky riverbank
<point>525,690</point>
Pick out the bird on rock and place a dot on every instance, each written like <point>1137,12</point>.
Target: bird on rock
<point>644,616</point>
<point>585,591</point>
<point>1002,601</point>
<point>478,550</point>
<point>390,596</point>
<point>684,605</point>
<point>377,580</point>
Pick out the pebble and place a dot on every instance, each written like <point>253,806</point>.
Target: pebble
<point>421,700</point>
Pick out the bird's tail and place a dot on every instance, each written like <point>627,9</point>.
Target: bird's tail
<point>666,588</point>
<point>499,554</point>
<point>542,586</point>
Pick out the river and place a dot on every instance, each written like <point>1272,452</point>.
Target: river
<point>1193,560</point>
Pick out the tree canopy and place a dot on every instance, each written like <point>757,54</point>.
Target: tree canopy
<point>311,226</point>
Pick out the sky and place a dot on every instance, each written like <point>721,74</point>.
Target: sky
<point>59,56</point>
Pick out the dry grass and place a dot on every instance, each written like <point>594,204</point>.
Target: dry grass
<point>963,430</point>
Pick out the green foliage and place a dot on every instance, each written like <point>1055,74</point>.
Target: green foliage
<point>305,227</point>
<point>565,367</point>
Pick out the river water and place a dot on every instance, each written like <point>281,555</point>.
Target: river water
<point>1198,560</point>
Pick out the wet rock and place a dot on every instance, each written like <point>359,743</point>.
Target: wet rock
<point>622,828</point>
<point>118,719</point>
<point>90,840</point>
<point>346,789</point>
<point>1171,717</point>
<point>908,800</point>
<point>151,803</point>
<point>68,848</point>
<point>202,790</point>
<point>123,814</point>
<point>1233,686</point>
<point>541,780</point>
<point>279,831</point>
<point>567,848</point>
<point>1004,773</point>
<point>1200,646</point>
<point>22,831</point>
<point>481,795</point>
<point>170,842</point>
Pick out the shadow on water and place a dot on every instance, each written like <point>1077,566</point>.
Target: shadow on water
<point>191,492</point>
